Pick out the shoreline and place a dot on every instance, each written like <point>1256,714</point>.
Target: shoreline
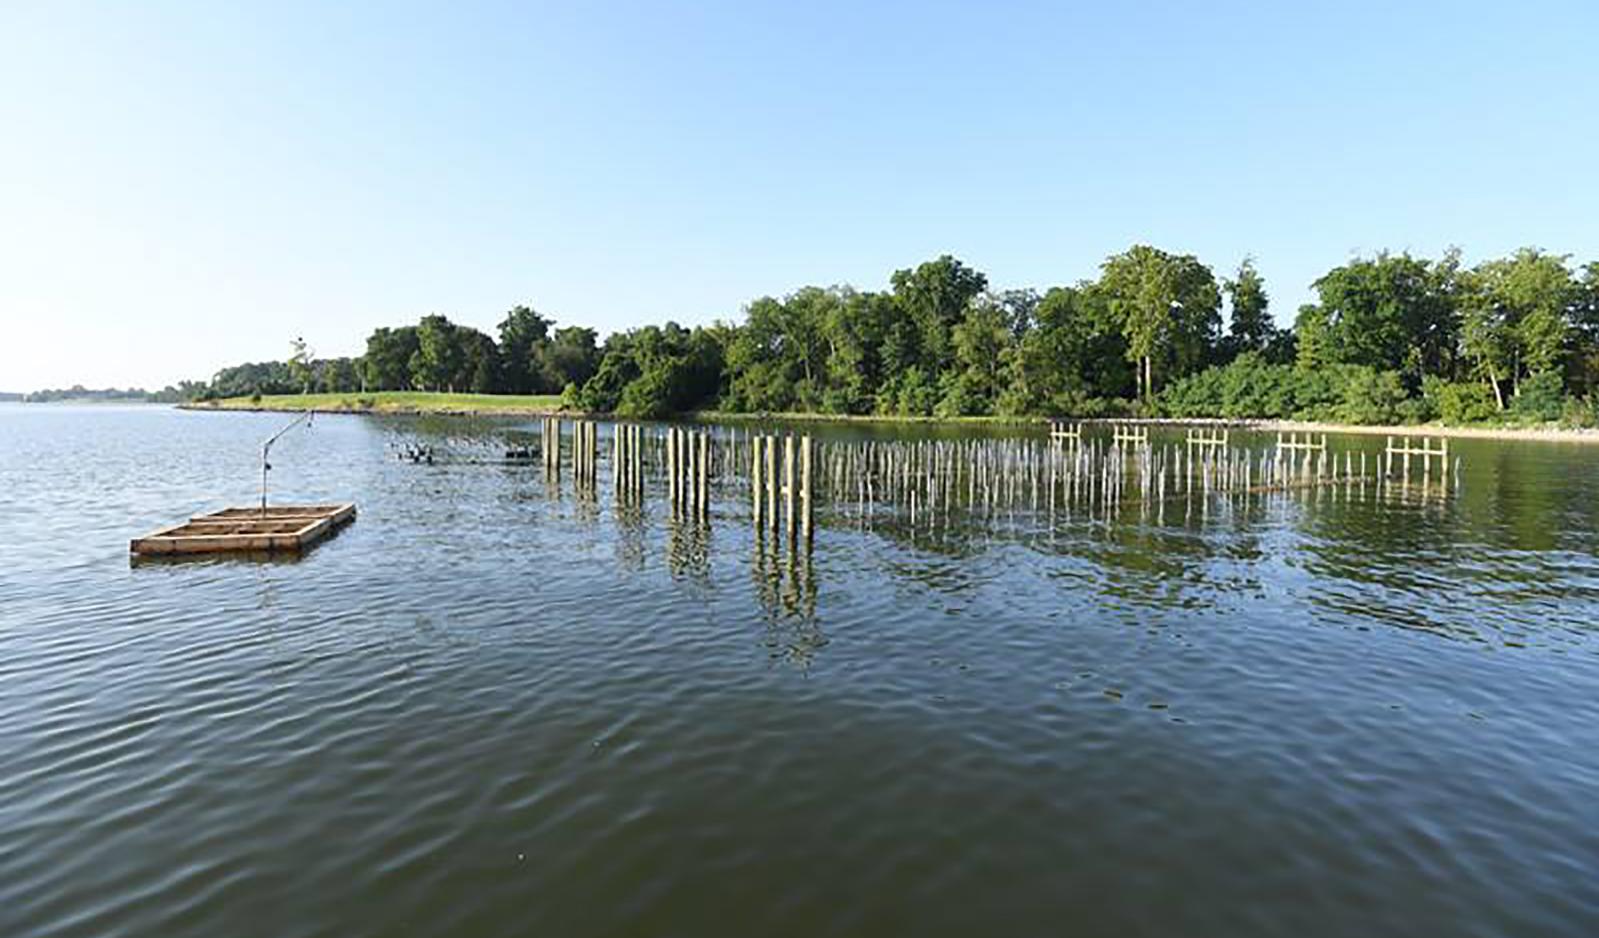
<point>1531,434</point>
<point>348,405</point>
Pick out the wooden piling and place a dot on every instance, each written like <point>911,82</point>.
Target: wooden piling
<point>771,481</point>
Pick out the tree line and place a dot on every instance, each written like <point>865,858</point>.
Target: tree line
<point>171,394</point>
<point>1390,338</point>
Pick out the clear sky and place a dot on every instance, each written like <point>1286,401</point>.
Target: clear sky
<point>189,185</point>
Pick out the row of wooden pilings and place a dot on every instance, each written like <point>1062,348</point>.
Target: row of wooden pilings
<point>780,471</point>
<point>766,487</point>
<point>977,477</point>
<point>585,450</point>
<point>688,470</point>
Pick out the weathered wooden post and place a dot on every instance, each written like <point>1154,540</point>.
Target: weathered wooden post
<point>788,482</point>
<point>685,468</point>
<point>671,465</point>
<point>805,485</point>
<point>637,434</point>
<point>755,478</point>
<point>705,472</point>
<point>771,482</point>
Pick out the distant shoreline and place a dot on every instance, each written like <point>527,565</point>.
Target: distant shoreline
<point>496,405</point>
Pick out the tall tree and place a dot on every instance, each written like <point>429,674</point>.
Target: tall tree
<point>522,332</point>
<point>933,296</point>
<point>386,366</point>
<point>1517,316</point>
<point>982,342</point>
<point>479,368</point>
<point>853,333</point>
<point>1168,307</point>
<point>300,358</point>
<point>436,365</point>
<point>570,356</point>
<point>1252,329</point>
<point>1391,312</point>
<point>1583,357</point>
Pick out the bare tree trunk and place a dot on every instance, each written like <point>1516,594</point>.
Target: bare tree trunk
<point>1493,381</point>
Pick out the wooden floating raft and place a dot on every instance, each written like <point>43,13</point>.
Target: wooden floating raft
<point>242,530</point>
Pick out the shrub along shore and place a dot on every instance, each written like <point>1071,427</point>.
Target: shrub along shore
<point>1391,339</point>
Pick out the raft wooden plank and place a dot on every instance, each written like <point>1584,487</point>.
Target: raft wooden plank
<point>339,512</point>
<point>231,530</point>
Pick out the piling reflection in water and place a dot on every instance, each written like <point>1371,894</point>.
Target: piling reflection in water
<point>1074,492</point>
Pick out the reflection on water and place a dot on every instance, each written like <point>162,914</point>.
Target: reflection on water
<point>506,703</point>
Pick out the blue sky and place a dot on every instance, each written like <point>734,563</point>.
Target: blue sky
<point>188,185</point>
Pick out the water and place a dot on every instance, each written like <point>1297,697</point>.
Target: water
<point>484,710</point>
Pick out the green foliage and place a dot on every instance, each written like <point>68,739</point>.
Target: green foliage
<point>570,356</point>
<point>1166,306</point>
<point>300,372</point>
<point>1394,313</point>
<point>932,298</point>
<point>1539,398</point>
<point>439,356</point>
<point>522,332</point>
<point>1580,413</point>
<point>1367,395</point>
<point>656,371</point>
<point>1517,316</point>
<point>1250,387</point>
<point>1457,402</point>
<point>387,363</point>
<point>1391,338</point>
<point>1252,327</point>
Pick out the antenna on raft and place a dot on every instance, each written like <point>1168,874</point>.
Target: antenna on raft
<point>266,450</point>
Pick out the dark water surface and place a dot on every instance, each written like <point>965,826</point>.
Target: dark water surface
<point>481,710</point>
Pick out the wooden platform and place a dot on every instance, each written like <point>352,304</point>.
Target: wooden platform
<point>246,530</point>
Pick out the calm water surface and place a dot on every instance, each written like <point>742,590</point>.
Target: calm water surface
<point>484,710</point>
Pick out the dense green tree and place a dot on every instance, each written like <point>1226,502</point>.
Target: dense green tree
<point>439,357</point>
<point>1391,312</point>
<point>479,370</point>
<point>386,365</point>
<point>1168,308</point>
<point>338,375</point>
<point>1072,353</point>
<point>982,343</point>
<point>1582,357</point>
<point>570,356</point>
<point>522,332</point>
<point>933,297</point>
<point>656,371</point>
<point>1252,329</point>
<point>778,360</point>
<point>1516,313</point>
<point>854,331</point>
<point>253,378</point>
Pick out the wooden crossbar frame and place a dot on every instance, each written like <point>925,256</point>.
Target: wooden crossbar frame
<point>1202,438</point>
<point>1308,443</point>
<point>1426,451</point>
<point>1062,430</point>
<point>1125,433</point>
